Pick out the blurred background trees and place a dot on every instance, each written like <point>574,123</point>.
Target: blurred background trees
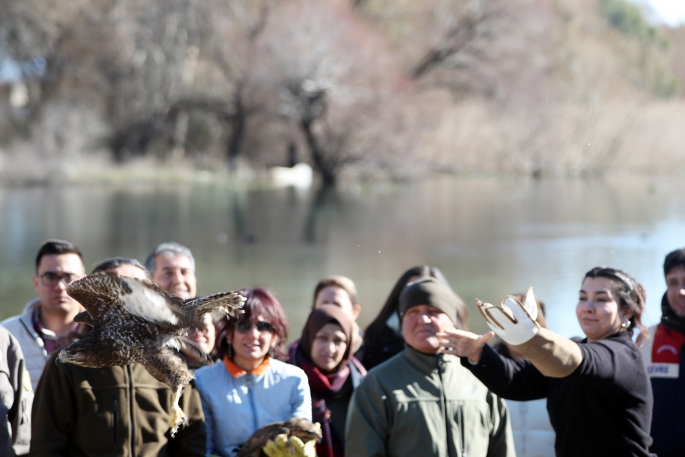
<point>364,89</point>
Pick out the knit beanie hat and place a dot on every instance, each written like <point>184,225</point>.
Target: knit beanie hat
<point>429,291</point>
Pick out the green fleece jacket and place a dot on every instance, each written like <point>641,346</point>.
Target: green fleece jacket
<point>117,411</point>
<point>409,406</point>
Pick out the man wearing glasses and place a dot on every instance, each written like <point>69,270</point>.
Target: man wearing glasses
<point>48,320</point>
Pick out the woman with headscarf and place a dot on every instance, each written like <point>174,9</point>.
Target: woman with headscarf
<point>324,353</point>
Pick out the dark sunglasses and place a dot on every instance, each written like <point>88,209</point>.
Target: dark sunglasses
<point>246,326</point>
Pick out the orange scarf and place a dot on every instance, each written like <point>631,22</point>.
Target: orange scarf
<point>237,372</point>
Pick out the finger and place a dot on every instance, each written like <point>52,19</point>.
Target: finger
<point>495,317</point>
<point>455,334</point>
<point>508,306</point>
<point>271,449</point>
<point>483,339</point>
<point>519,310</point>
<point>530,305</point>
<point>281,439</point>
<point>296,442</point>
<point>482,309</point>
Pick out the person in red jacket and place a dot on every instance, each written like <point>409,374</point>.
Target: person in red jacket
<point>665,362</point>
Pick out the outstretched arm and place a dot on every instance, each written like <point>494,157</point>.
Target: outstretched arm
<point>514,321</point>
<point>515,380</point>
<point>552,354</point>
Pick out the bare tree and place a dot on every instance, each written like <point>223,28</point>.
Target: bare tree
<point>336,76</point>
<point>230,44</point>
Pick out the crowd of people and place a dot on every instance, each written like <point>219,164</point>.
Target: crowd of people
<point>415,382</point>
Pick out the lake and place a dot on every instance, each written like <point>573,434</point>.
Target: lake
<point>490,237</point>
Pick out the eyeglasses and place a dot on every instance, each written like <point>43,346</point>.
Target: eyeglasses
<point>50,279</point>
<point>262,327</point>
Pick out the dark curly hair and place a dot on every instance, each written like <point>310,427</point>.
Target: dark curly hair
<point>631,294</point>
<point>260,302</point>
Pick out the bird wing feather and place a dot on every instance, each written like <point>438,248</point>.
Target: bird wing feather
<point>96,293</point>
<point>84,318</point>
<point>194,351</point>
<point>102,292</point>
<point>226,303</point>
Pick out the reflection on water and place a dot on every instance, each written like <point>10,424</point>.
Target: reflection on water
<point>489,237</point>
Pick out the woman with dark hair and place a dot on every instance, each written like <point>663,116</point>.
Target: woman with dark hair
<point>252,386</point>
<point>324,352</point>
<point>599,398</point>
<point>383,337</point>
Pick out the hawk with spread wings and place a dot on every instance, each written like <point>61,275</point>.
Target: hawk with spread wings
<point>136,321</point>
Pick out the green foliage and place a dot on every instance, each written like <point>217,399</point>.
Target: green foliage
<point>628,19</point>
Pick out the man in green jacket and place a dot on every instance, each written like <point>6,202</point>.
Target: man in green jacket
<point>120,410</point>
<point>422,402</point>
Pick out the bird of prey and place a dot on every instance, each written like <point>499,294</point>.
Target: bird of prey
<point>136,321</point>
<point>301,428</point>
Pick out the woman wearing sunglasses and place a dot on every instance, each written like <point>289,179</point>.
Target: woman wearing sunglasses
<point>250,387</point>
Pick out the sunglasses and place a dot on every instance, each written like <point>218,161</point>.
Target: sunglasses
<point>246,326</point>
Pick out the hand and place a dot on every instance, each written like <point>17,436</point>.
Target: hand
<point>463,344</point>
<point>281,447</point>
<point>307,449</point>
<point>278,447</point>
<point>512,320</point>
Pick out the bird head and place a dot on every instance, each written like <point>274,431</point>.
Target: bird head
<point>304,429</point>
<point>70,355</point>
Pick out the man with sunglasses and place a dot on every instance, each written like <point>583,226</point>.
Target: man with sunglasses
<point>47,321</point>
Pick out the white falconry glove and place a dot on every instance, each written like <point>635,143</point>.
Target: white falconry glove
<point>512,320</point>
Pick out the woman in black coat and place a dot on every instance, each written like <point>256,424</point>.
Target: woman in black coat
<point>599,397</point>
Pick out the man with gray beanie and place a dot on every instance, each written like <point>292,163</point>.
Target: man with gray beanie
<point>422,402</point>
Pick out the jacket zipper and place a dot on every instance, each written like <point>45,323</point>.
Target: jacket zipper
<point>115,419</point>
<point>252,404</point>
<point>443,407</point>
<point>132,423</point>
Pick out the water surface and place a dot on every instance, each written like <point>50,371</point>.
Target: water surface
<point>490,237</point>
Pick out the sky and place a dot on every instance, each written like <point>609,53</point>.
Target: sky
<point>671,12</point>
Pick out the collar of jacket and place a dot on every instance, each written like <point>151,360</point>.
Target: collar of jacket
<point>237,372</point>
<point>626,335</point>
<point>26,318</point>
<point>422,361</point>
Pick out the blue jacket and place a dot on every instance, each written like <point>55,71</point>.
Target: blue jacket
<point>235,408</point>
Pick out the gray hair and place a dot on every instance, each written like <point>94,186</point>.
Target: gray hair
<point>171,247</point>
